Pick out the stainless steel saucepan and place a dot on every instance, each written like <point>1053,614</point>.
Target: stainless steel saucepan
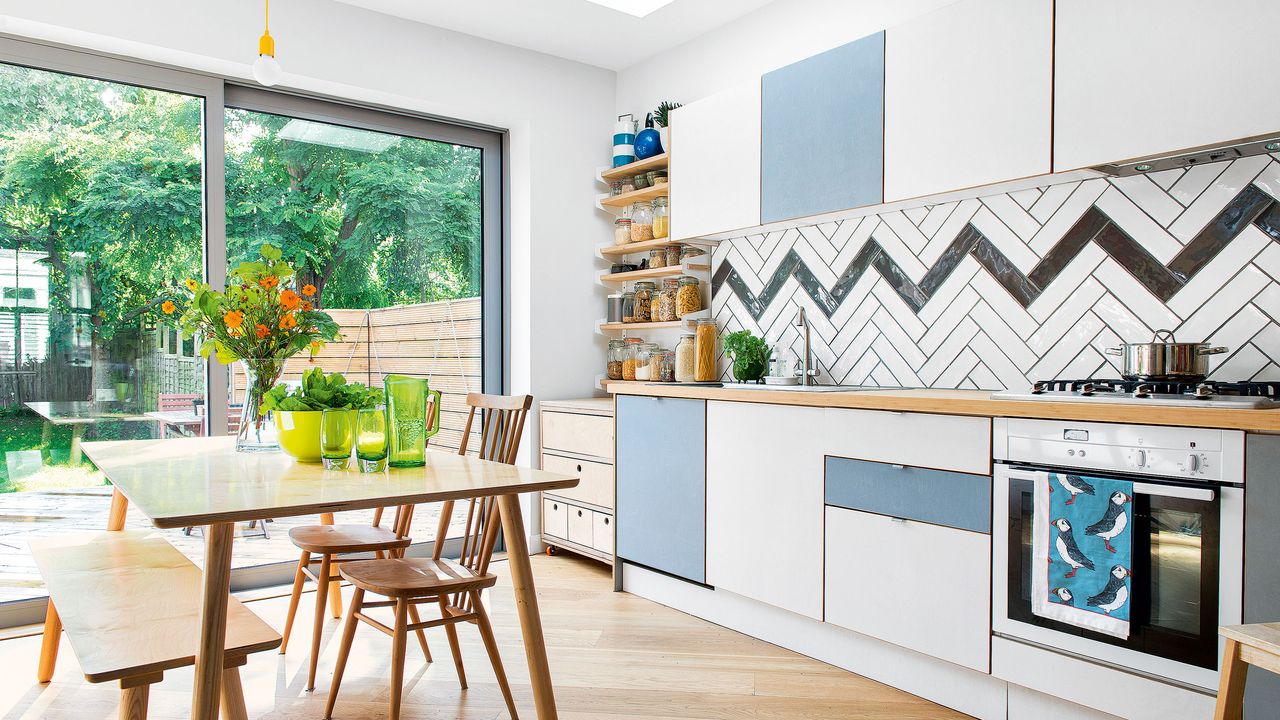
<point>1164,359</point>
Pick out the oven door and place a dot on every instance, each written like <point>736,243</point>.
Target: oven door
<point>1177,588</point>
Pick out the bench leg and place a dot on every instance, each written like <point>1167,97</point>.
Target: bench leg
<point>1231,684</point>
<point>233,696</point>
<point>133,702</point>
<point>317,623</point>
<point>49,644</point>
<point>216,592</point>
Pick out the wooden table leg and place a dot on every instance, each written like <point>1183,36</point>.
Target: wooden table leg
<point>216,591</point>
<point>119,510</point>
<point>535,648</point>
<point>233,695</point>
<point>77,454</point>
<point>335,587</point>
<point>1231,683</point>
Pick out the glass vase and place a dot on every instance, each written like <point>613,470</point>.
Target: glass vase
<point>258,431</point>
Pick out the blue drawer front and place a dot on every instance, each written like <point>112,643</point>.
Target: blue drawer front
<point>661,503</point>
<point>957,500</point>
<point>822,132</point>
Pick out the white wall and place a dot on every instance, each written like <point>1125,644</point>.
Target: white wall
<point>776,35</point>
<point>553,108</point>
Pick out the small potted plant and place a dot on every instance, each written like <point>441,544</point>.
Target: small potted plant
<point>297,412</point>
<point>750,355</point>
<point>120,381</point>
<point>662,117</point>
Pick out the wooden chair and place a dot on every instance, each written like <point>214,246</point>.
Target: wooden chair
<point>329,541</point>
<point>454,586</point>
<point>1258,645</point>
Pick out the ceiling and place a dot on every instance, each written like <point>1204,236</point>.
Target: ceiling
<point>575,29</point>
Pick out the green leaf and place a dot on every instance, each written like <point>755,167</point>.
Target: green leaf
<point>271,252</point>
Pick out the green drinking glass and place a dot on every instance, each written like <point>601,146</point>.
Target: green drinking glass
<point>371,439</point>
<point>413,415</point>
<point>337,437</point>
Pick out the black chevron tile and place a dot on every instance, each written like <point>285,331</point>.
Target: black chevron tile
<point>856,268</point>
<point>1005,272</point>
<point>950,258</point>
<point>1269,221</point>
<point>1141,265</point>
<point>1244,209</point>
<point>1066,249</point>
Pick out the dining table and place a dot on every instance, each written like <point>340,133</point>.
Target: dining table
<point>204,481</point>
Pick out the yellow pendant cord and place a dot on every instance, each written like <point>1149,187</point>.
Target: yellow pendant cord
<point>266,44</point>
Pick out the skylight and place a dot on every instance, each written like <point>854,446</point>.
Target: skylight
<point>638,8</point>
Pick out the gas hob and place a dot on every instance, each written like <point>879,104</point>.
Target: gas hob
<point>1218,395</point>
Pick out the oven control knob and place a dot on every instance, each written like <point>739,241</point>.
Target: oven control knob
<point>1140,458</point>
<point>1194,464</point>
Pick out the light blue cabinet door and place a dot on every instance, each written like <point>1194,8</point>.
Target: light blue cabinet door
<point>822,132</point>
<point>661,502</point>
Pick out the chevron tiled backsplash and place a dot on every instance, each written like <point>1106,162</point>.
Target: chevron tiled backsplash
<point>998,291</point>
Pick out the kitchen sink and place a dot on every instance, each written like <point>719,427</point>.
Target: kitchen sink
<point>802,388</point>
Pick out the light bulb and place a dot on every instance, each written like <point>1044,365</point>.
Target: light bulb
<point>266,70</point>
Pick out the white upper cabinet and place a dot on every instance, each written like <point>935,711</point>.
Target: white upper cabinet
<point>968,97</point>
<point>715,163</point>
<point>1148,77</point>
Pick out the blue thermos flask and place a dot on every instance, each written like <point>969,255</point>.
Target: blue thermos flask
<point>624,138</point>
<point>648,143</point>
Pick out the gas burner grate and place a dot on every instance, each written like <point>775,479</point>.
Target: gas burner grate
<point>1141,388</point>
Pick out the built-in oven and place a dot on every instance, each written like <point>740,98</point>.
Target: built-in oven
<point>1188,507</point>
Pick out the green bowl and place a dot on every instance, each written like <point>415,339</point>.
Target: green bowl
<point>299,434</point>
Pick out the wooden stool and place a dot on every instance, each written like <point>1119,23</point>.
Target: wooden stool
<point>1257,644</point>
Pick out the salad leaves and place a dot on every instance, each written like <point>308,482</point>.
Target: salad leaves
<point>321,392</point>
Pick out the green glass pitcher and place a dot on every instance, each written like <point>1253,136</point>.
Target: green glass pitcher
<point>408,426</point>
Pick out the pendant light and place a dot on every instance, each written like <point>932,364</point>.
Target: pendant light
<point>265,69</point>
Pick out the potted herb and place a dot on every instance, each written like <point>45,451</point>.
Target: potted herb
<point>297,412</point>
<point>662,117</point>
<point>750,355</point>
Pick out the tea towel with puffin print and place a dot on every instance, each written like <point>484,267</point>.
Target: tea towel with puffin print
<point>1083,551</point>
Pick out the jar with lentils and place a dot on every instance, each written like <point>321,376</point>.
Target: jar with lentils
<point>617,350</point>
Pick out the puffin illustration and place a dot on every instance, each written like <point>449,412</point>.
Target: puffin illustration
<point>1074,485</point>
<point>1113,521</point>
<point>1067,548</point>
<point>1115,594</point>
<point>1063,596</point>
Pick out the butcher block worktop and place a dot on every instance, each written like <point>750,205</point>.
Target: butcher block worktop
<point>972,402</point>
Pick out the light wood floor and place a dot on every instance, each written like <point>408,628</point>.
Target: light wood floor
<point>613,656</point>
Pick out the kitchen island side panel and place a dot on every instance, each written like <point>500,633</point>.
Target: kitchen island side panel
<point>1261,566</point>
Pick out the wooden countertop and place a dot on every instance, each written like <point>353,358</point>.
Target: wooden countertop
<point>975,403</point>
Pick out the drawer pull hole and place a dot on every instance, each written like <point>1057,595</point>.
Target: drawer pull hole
<point>606,521</point>
<point>579,468</point>
<point>555,506</point>
<point>579,513</point>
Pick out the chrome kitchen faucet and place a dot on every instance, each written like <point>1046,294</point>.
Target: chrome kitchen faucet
<point>808,373</point>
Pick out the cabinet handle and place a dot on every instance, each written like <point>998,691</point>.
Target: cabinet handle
<point>606,521</point>
<point>579,468</point>
<point>579,513</point>
<point>554,506</point>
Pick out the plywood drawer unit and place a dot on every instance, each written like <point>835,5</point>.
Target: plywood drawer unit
<point>595,484</point>
<point>578,440</point>
<point>578,433</point>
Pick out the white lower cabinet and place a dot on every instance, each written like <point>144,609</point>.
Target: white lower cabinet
<point>924,587</point>
<point>764,503</point>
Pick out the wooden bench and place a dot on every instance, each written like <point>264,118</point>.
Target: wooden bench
<point>129,603</point>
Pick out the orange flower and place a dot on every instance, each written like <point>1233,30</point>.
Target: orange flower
<point>262,330</point>
<point>168,307</point>
<point>192,285</point>
<point>288,322</point>
<point>289,299</point>
<point>233,319</point>
<point>306,305</point>
<point>308,289</point>
<point>269,281</point>
<point>315,346</point>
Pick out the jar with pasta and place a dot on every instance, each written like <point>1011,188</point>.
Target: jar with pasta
<point>666,311</point>
<point>645,293</point>
<point>641,222</point>
<point>617,350</point>
<point>632,345</point>
<point>644,356</point>
<point>705,351</point>
<point>685,359</point>
<point>661,218</point>
<point>688,296</point>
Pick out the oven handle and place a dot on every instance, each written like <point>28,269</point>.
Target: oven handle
<point>1175,491</point>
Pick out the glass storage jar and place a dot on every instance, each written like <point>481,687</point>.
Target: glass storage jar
<point>630,347</point>
<point>628,307</point>
<point>657,258</point>
<point>645,292</point>
<point>661,218</point>
<point>655,364</point>
<point>641,222</point>
<point>689,296</point>
<point>704,369</point>
<point>685,359</point>
<point>690,251</point>
<point>617,349</point>
<point>673,255</point>
<point>667,301</point>
<point>667,366</point>
<point>622,231</point>
<point>641,181</point>
<point>644,358</point>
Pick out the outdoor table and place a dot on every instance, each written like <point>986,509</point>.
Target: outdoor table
<point>78,414</point>
<point>204,481</point>
<point>178,420</point>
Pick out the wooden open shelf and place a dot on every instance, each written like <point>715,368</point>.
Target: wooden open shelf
<point>645,195</point>
<point>639,327</point>
<point>652,273</point>
<point>638,247</point>
<point>657,162</point>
